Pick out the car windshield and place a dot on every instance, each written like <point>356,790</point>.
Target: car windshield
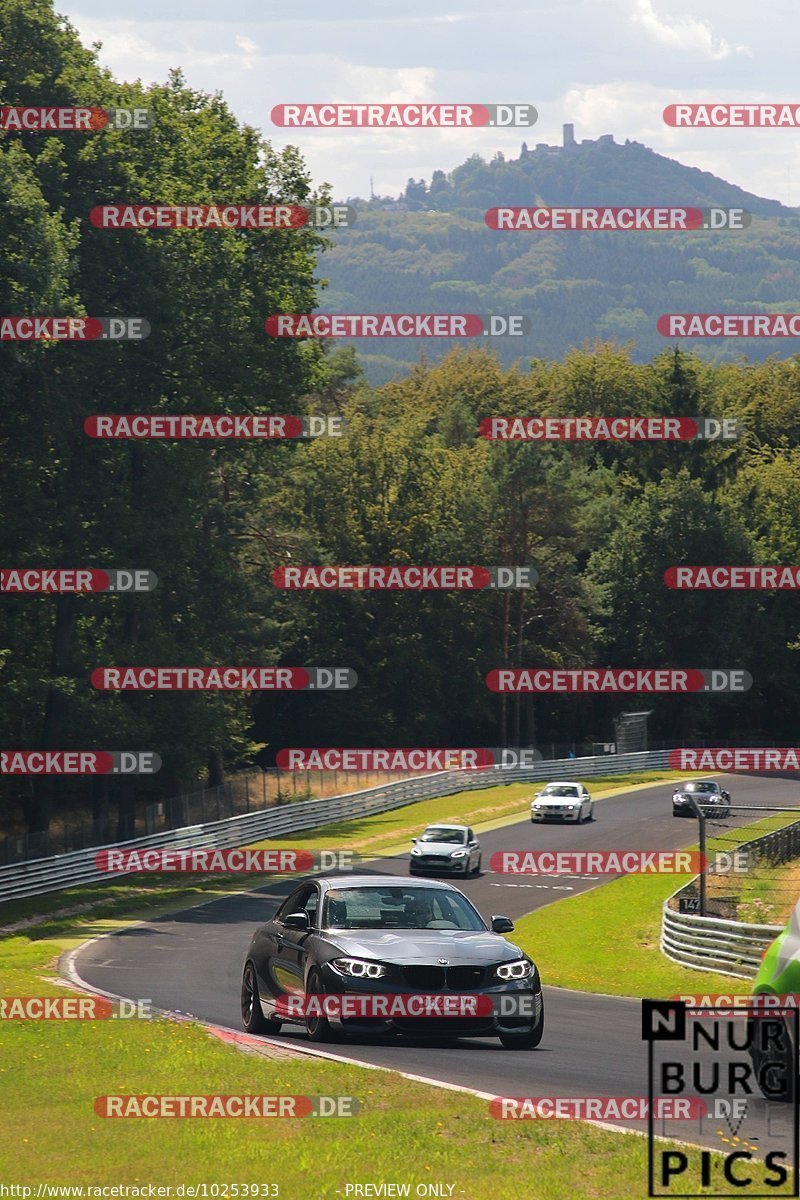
<point>379,907</point>
<point>700,787</point>
<point>560,789</point>
<point>437,834</point>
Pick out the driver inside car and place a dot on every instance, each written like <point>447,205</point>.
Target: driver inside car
<point>418,913</point>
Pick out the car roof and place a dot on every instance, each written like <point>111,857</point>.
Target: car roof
<point>327,882</point>
<point>563,783</point>
<point>444,825</point>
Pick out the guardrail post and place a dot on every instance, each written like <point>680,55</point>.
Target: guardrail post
<point>703,863</point>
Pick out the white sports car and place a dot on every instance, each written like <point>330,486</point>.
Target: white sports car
<point>562,802</point>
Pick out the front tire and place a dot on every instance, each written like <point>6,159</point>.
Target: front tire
<point>253,1017</point>
<point>525,1041</point>
<point>318,1029</point>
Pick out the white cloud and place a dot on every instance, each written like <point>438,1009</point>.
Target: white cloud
<point>689,35</point>
<point>757,160</point>
<point>250,49</point>
<point>602,89</point>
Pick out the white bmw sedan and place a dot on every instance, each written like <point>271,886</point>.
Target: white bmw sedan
<point>562,802</point>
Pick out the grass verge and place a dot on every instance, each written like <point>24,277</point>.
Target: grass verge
<point>406,1132</point>
<point>144,895</point>
<point>607,940</point>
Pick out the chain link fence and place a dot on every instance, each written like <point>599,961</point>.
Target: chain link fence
<point>245,791</point>
<point>753,873</point>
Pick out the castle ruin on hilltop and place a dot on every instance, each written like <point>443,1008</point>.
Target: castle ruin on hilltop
<point>569,144</point>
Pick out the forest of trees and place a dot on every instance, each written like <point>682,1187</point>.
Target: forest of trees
<point>410,482</point>
<point>432,252</point>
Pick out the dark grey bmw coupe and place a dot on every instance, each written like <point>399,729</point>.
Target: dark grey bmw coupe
<point>342,946</point>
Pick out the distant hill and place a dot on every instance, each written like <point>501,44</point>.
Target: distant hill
<point>430,250</point>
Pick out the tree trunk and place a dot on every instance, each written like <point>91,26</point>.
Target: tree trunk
<point>216,768</point>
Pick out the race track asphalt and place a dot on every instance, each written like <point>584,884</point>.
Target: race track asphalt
<point>191,963</point>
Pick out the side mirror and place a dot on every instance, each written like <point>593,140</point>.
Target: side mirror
<point>536,795</point>
<point>502,924</point>
<point>474,842</point>
<point>298,920</point>
<point>413,839</point>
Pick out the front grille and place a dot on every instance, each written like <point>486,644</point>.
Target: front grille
<point>444,1026</point>
<point>432,979</point>
<point>425,979</point>
<point>432,860</point>
<point>464,977</point>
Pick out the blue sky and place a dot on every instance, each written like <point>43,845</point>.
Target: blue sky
<point>608,66</point>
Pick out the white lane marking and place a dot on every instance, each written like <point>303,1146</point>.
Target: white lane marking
<point>548,887</point>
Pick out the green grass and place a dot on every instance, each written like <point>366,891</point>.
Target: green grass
<point>51,1072</point>
<point>145,895</point>
<point>487,808</point>
<point>607,939</point>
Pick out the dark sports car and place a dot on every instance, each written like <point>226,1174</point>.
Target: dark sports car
<point>390,939</point>
<point>712,799</point>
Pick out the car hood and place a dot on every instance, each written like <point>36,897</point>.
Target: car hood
<point>700,797</point>
<point>438,847</point>
<point>424,945</point>
<point>779,972</point>
<point>559,800</point>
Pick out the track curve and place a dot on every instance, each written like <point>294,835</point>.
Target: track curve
<point>191,962</point>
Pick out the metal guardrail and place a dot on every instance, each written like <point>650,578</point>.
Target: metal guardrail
<point>36,877</point>
<point>716,944</point>
<point>713,944</point>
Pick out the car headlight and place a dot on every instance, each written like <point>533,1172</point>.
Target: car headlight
<point>536,806</point>
<point>416,850</point>
<point>358,968</point>
<point>521,968</point>
<point>457,853</point>
<point>570,807</point>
